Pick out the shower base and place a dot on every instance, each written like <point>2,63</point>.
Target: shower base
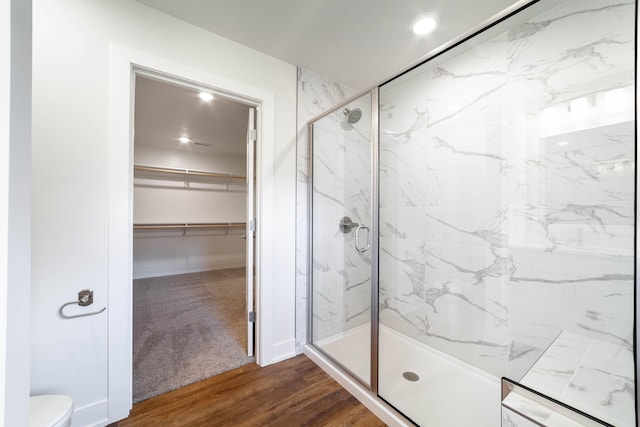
<point>447,391</point>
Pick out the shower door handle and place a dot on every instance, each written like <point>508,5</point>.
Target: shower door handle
<point>357,239</point>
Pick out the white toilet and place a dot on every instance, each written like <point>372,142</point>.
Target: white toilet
<point>50,410</point>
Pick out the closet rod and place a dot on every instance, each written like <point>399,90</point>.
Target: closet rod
<point>187,172</point>
<point>186,225</point>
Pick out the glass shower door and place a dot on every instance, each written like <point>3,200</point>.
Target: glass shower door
<point>341,236</point>
<point>507,173</point>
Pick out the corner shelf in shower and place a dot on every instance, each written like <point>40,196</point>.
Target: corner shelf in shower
<point>576,357</point>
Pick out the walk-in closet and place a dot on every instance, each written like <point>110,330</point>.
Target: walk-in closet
<point>192,198</point>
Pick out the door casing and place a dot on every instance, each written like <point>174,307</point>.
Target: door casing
<point>125,64</point>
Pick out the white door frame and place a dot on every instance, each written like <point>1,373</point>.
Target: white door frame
<point>254,119</point>
<point>250,229</point>
<point>125,62</point>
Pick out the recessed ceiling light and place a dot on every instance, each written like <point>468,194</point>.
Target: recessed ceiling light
<point>424,26</point>
<point>184,139</point>
<point>205,96</point>
<point>563,142</point>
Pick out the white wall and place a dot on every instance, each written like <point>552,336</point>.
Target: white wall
<point>72,42</point>
<point>15,205</point>
<point>163,198</point>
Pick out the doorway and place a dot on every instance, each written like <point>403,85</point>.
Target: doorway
<point>193,231</point>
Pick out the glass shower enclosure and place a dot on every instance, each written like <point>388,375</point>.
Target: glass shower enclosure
<point>472,236</point>
<point>341,225</point>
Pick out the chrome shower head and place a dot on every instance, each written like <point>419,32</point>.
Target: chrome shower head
<point>352,116</point>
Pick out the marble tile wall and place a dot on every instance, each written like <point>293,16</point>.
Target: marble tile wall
<point>513,419</point>
<point>341,188</point>
<point>507,188</point>
<point>588,374</point>
<point>316,95</point>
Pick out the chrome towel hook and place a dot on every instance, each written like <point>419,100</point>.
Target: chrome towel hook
<point>85,298</point>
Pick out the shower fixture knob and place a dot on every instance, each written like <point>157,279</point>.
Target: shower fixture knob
<point>346,224</point>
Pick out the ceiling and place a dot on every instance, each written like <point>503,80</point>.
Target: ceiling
<point>164,112</point>
<point>358,43</point>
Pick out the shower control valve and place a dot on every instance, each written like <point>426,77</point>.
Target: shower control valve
<point>346,225</point>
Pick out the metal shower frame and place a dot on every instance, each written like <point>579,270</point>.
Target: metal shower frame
<point>375,243</point>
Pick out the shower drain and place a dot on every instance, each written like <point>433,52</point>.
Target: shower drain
<point>410,376</point>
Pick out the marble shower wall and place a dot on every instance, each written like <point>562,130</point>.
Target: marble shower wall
<point>507,189</point>
<point>341,188</point>
<point>316,95</point>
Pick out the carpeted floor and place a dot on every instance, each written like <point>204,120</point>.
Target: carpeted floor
<point>186,328</point>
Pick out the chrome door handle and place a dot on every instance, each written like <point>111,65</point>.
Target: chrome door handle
<point>357,239</point>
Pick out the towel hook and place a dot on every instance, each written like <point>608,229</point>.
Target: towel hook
<point>85,298</point>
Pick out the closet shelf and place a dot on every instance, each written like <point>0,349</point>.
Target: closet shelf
<point>187,225</point>
<point>187,172</point>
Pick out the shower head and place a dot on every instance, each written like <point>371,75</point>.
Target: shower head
<point>352,116</point>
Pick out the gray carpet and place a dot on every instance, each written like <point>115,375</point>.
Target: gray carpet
<point>186,328</point>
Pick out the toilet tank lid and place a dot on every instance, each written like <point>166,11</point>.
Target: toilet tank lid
<point>49,409</point>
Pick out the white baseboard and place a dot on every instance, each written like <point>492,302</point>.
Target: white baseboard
<point>95,414</point>
<point>283,350</point>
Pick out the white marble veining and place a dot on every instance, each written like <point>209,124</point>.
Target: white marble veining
<point>513,419</point>
<point>341,188</point>
<point>506,210</point>
<point>315,95</point>
<point>588,374</point>
<point>507,194</point>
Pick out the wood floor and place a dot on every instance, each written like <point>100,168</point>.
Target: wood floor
<point>291,393</point>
